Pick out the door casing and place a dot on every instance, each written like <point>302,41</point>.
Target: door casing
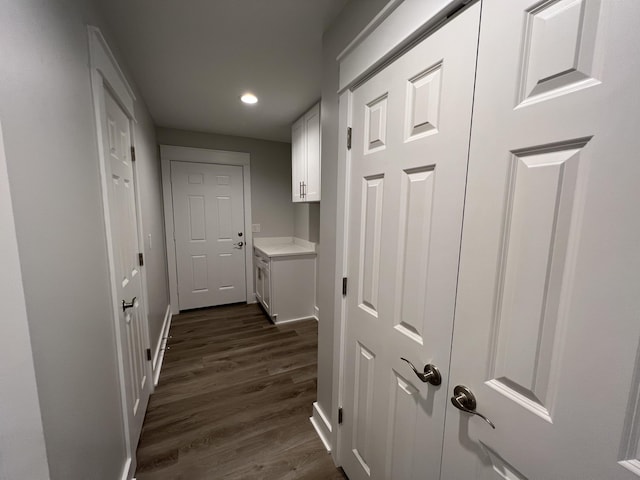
<point>171,153</point>
<point>106,74</point>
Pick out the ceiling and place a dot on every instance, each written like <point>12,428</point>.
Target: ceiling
<point>193,59</point>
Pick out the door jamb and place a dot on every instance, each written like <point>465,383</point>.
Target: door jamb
<point>171,153</point>
<point>107,74</point>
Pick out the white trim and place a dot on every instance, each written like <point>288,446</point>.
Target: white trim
<point>396,26</point>
<point>171,153</point>
<point>316,312</point>
<point>369,28</point>
<point>161,346</point>
<point>103,60</point>
<point>289,320</point>
<point>322,426</point>
<point>22,444</point>
<point>105,73</point>
<point>127,472</point>
<point>339,306</point>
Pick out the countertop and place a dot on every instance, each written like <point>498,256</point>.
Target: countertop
<point>283,246</point>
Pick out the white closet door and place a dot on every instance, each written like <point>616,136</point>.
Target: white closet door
<point>124,235</point>
<point>411,126</point>
<point>548,312</point>
<point>208,211</point>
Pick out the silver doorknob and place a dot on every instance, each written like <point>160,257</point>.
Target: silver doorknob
<point>430,375</point>
<point>463,399</point>
<point>238,245</point>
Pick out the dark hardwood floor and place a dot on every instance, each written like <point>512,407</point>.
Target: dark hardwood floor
<point>234,400</point>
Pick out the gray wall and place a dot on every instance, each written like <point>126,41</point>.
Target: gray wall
<point>271,204</point>
<point>47,114</point>
<point>354,17</point>
<point>306,221</point>
<point>155,249</point>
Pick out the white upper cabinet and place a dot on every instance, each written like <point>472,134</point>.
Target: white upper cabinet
<point>305,156</point>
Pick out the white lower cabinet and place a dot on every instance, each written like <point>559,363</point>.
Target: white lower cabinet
<point>285,285</point>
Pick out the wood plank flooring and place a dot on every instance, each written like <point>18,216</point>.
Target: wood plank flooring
<point>234,400</point>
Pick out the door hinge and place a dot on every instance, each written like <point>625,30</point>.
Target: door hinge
<point>348,138</point>
<point>133,154</point>
<point>344,286</point>
<point>148,354</point>
<point>340,416</point>
<point>141,259</point>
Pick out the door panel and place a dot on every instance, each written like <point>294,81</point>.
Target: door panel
<point>411,126</point>
<point>208,208</point>
<point>124,232</point>
<point>546,330</point>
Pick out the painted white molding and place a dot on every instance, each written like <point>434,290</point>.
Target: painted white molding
<point>316,312</point>
<point>322,426</point>
<point>397,25</point>
<point>22,444</point>
<point>171,153</point>
<point>106,73</point>
<point>369,28</point>
<point>161,346</point>
<point>340,304</point>
<point>103,60</point>
<point>127,471</point>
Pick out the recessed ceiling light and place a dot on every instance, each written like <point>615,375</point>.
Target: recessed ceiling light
<point>249,98</point>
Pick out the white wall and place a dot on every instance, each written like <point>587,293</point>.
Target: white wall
<point>271,204</point>
<point>355,16</point>
<point>50,140</point>
<point>22,449</point>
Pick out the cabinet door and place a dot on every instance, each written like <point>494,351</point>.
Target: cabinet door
<point>298,150</point>
<point>259,282</point>
<point>311,187</point>
<point>266,292</point>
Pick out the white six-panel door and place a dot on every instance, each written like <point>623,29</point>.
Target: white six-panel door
<point>547,321</point>
<point>208,210</point>
<point>411,125</point>
<point>123,223</point>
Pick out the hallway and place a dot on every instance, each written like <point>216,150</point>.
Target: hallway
<point>234,401</point>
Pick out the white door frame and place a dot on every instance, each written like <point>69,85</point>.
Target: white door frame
<point>172,153</point>
<point>395,29</point>
<point>106,74</point>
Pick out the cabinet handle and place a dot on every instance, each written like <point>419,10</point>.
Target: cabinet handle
<point>304,190</point>
<point>300,189</point>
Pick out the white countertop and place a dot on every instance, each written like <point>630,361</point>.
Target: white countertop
<point>283,246</point>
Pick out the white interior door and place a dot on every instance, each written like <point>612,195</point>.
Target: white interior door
<point>208,211</point>
<point>124,236</point>
<point>547,320</point>
<point>411,126</point>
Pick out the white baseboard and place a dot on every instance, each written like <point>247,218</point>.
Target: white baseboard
<point>161,345</point>
<point>322,426</point>
<point>127,474</point>
<point>289,320</point>
<point>316,312</point>
<point>252,298</point>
